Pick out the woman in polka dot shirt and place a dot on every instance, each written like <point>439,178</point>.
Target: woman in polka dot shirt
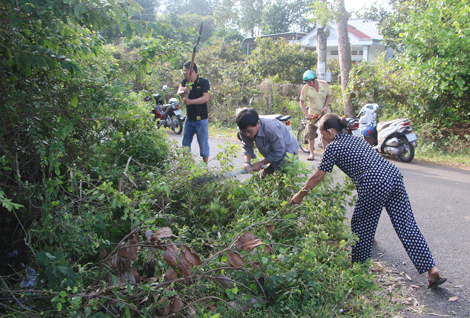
<point>379,184</point>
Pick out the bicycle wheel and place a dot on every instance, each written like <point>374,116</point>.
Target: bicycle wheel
<point>300,138</point>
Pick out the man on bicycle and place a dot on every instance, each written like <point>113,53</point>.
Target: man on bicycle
<point>317,93</point>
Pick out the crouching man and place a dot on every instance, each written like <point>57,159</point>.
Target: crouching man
<point>271,137</point>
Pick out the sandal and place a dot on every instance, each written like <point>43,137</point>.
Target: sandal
<point>435,283</point>
<point>310,158</point>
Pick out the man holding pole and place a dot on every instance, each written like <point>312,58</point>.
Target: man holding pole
<point>195,98</point>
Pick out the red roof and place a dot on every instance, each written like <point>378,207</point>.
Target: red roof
<point>357,33</point>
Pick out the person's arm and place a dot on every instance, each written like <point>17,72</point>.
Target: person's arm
<point>327,100</point>
<point>312,182</point>
<point>302,104</point>
<point>205,94</point>
<point>248,153</point>
<point>181,90</point>
<point>201,100</point>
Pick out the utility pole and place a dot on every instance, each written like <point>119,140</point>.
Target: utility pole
<point>321,49</point>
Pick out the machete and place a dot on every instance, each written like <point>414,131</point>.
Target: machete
<point>194,55</point>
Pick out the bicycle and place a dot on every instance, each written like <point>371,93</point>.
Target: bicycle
<point>300,134</point>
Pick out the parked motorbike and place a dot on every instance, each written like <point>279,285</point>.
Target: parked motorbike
<point>395,137</point>
<point>168,115</point>
<point>283,119</point>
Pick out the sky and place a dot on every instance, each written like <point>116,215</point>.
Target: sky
<point>355,5</point>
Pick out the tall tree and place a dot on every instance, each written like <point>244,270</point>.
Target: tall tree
<point>199,7</point>
<point>322,38</point>
<point>251,13</point>
<point>344,48</point>
<point>148,10</point>
<point>397,12</point>
<point>335,11</point>
<point>285,15</point>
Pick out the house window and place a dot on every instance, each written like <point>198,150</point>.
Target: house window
<point>334,53</point>
<point>360,53</point>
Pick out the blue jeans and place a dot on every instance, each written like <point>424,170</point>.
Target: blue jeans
<point>201,129</point>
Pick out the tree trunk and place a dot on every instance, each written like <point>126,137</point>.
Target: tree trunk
<point>321,53</point>
<point>344,49</point>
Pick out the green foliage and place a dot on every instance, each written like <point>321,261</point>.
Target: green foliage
<point>280,57</point>
<point>218,245</point>
<point>440,60</point>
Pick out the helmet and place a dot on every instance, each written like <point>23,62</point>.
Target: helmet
<point>308,76</point>
<point>173,101</point>
<point>368,131</point>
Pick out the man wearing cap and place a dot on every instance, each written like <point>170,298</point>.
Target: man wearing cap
<point>318,95</point>
<point>195,98</point>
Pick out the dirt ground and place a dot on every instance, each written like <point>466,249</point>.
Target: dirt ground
<point>417,299</point>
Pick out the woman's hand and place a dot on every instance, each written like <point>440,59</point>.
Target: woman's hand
<point>298,198</point>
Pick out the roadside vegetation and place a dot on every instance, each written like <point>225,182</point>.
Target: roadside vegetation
<point>103,217</point>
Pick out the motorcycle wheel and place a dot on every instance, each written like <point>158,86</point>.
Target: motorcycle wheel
<point>409,150</point>
<point>177,125</point>
<point>300,138</point>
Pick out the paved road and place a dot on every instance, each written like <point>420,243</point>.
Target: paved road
<point>440,198</point>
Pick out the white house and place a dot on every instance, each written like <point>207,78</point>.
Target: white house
<point>364,38</point>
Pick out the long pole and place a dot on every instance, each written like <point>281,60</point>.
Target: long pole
<point>194,53</point>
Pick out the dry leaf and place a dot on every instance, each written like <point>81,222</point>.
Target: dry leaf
<point>102,254</point>
<point>166,305</point>
<point>453,298</point>
<point>177,304</point>
<point>267,249</point>
<point>248,236</point>
<point>113,261</point>
<point>192,311</point>
<point>163,232</point>
<point>136,275</point>
<point>224,280</point>
<point>270,228</point>
<point>256,265</point>
<point>130,276</point>
<point>169,255</point>
<point>170,275</point>
<point>130,252</point>
<point>191,255</point>
<point>184,266</point>
<point>248,246</point>
<point>414,286</point>
<point>133,250</point>
<point>234,260</point>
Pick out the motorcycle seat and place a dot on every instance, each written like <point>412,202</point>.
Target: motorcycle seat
<point>384,124</point>
<point>285,118</point>
<point>275,116</point>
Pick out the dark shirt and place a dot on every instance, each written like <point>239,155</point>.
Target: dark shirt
<point>357,159</point>
<point>197,111</point>
<point>273,141</point>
